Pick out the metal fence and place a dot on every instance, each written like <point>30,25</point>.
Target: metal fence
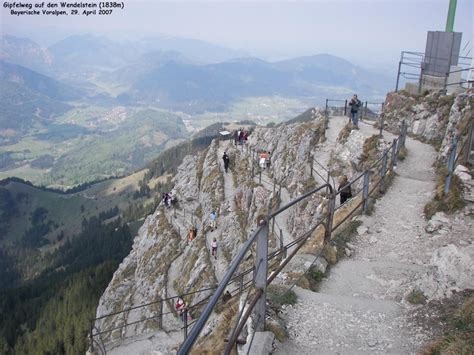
<point>460,149</point>
<point>369,110</point>
<point>251,283</point>
<point>411,64</point>
<point>374,178</point>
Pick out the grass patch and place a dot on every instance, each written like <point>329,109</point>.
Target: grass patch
<point>448,203</point>
<point>344,133</point>
<point>342,237</point>
<point>309,184</point>
<point>314,277</point>
<point>278,330</point>
<point>458,339</point>
<point>370,152</point>
<point>279,296</point>
<point>416,297</point>
<point>402,154</point>
<point>213,343</point>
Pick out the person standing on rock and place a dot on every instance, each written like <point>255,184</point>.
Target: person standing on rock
<point>214,248</point>
<point>268,161</point>
<point>355,103</point>
<point>213,220</point>
<point>263,159</point>
<point>344,189</point>
<point>226,160</point>
<point>180,307</point>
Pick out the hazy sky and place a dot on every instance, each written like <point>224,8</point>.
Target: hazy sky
<point>371,31</point>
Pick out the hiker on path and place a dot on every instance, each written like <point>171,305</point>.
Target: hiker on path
<point>180,307</point>
<point>263,159</point>
<point>192,233</point>
<point>227,296</point>
<point>226,160</point>
<point>241,137</point>
<point>213,220</point>
<point>355,103</point>
<point>344,189</point>
<point>246,136</point>
<point>268,161</point>
<point>214,248</point>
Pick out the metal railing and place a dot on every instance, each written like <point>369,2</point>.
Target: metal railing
<point>255,279</point>
<point>459,148</point>
<point>415,60</point>
<point>369,110</point>
<point>257,303</point>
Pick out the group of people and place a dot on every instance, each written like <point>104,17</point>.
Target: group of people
<point>241,136</point>
<point>265,160</point>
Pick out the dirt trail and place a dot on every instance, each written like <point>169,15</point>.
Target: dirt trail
<point>361,307</point>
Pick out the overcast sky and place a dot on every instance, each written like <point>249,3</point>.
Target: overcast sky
<point>370,31</point>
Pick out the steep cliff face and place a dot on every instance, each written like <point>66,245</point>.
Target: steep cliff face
<point>164,263</point>
<point>434,117</point>
<point>292,149</point>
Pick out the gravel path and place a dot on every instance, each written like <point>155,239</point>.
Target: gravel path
<point>361,307</point>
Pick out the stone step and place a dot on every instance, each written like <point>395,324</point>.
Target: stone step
<point>321,323</point>
<point>383,279</point>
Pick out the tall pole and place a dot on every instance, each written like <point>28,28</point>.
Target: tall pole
<point>451,15</point>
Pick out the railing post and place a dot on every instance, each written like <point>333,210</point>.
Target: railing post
<point>274,185</point>
<point>365,192</point>
<point>311,163</point>
<point>467,149</point>
<point>282,246</point>
<point>330,217</point>
<point>383,170</point>
<point>393,160</point>
<point>160,317</point>
<point>326,109</point>
<point>273,226</point>
<point>91,336</point>
<point>260,176</point>
<point>327,181</point>
<point>398,75</point>
<point>381,124</point>
<point>451,160</point>
<point>241,283</point>
<point>365,111</point>
<point>260,281</point>
<point>185,321</point>
<point>345,108</point>
<point>403,134</point>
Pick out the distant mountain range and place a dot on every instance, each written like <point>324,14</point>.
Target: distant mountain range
<point>193,88</point>
<point>26,95</point>
<point>83,51</point>
<point>187,75</point>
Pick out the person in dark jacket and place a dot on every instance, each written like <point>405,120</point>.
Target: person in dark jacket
<point>344,189</point>
<point>226,160</point>
<point>355,103</point>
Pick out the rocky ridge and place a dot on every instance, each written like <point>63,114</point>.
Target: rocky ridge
<point>163,263</point>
